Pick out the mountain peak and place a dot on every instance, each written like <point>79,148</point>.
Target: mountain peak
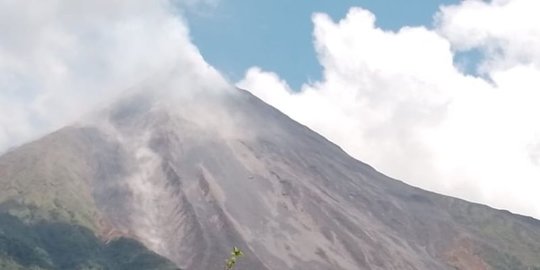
<point>191,175</point>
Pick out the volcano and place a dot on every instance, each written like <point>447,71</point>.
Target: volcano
<point>159,182</point>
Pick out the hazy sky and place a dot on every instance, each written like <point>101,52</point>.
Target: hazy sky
<point>444,95</point>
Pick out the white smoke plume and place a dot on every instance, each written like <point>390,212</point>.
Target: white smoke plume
<point>59,59</point>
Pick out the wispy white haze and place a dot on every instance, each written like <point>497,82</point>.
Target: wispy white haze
<point>59,59</point>
<point>401,102</point>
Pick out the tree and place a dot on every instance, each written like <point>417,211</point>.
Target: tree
<point>231,261</point>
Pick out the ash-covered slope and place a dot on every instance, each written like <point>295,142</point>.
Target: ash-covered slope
<point>192,176</point>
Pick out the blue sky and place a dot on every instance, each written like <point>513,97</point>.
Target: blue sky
<point>277,35</point>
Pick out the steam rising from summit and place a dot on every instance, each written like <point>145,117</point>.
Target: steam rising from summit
<point>69,56</point>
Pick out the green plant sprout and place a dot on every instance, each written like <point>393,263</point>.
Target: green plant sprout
<point>231,261</point>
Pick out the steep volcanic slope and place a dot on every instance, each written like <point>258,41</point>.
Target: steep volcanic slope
<point>191,176</point>
<point>48,214</point>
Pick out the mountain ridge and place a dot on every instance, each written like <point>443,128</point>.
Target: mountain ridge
<point>191,176</point>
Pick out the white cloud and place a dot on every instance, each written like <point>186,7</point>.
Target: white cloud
<point>397,101</point>
<point>58,59</point>
<point>506,31</point>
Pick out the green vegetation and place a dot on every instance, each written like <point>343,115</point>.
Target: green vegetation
<point>507,242</point>
<point>231,261</point>
<point>57,245</point>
